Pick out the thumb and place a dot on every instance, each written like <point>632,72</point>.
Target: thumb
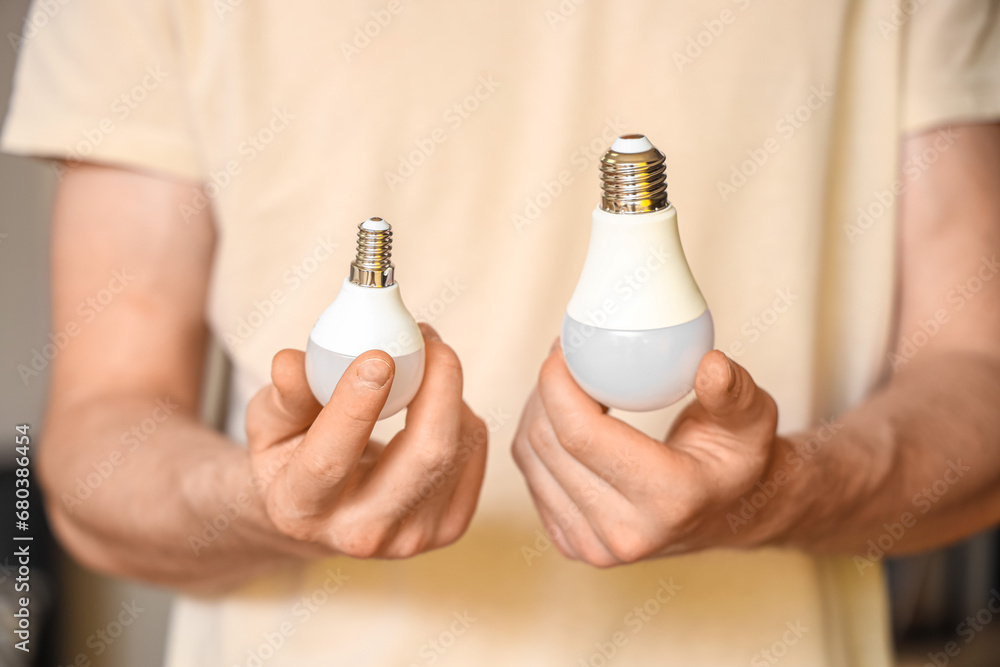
<point>334,443</point>
<point>730,396</point>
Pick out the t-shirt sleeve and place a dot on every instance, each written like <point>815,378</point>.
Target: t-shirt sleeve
<point>101,81</point>
<point>951,62</point>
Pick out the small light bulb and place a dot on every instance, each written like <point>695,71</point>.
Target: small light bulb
<point>637,325</point>
<point>368,314</point>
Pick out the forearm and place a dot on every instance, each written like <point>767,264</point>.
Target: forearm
<point>918,462</point>
<point>138,487</point>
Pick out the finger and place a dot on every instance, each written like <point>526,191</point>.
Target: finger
<point>435,411</point>
<point>334,444</point>
<point>284,408</point>
<point>731,399</point>
<point>429,332</point>
<point>443,510</point>
<point>552,530</point>
<point>607,446</point>
<point>472,459</point>
<point>597,499</point>
<point>567,519</point>
<point>426,448</point>
<point>440,496</point>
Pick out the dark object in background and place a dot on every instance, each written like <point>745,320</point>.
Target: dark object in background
<point>44,582</point>
<point>934,594</point>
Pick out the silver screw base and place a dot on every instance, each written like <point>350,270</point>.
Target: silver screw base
<point>373,265</point>
<point>634,182</point>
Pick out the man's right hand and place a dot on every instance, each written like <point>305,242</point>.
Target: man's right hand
<point>324,484</point>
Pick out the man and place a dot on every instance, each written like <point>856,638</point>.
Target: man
<point>834,167</point>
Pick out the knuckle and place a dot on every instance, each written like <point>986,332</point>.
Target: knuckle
<point>434,455</point>
<point>256,416</point>
<point>577,438</point>
<point>364,542</point>
<point>539,435</point>
<point>628,544</point>
<point>290,523</point>
<point>360,411</point>
<point>451,532</point>
<point>442,356</point>
<point>410,544</point>
<point>325,472</point>
<point>597,557</point>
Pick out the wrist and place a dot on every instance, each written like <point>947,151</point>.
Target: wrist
<point>834,480</point>
<point>229,500</point>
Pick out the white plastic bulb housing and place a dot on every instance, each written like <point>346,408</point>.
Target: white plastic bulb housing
<point>368,314</point>
<point>637,325</point>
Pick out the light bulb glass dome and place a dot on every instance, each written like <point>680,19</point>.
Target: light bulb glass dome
<point>324,368</point>
<point>636,370</point>
<point>637,325</point>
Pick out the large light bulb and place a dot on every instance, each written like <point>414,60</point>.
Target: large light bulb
<point>368,314</point>
<point>637,325</point>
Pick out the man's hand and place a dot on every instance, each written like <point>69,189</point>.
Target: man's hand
<point>329,489</point>
<point>608,494</point>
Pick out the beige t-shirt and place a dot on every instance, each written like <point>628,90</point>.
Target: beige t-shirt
<point>475,129</point>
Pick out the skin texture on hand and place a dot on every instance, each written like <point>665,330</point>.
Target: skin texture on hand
<point>325,484</point>
<point>609,494</point>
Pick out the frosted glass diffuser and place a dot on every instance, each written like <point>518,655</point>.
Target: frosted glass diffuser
<point>637,325</point>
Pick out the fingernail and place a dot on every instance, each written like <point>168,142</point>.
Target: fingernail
<point>555,345</point>
<point>374,373</point>
<point>732,374</point>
